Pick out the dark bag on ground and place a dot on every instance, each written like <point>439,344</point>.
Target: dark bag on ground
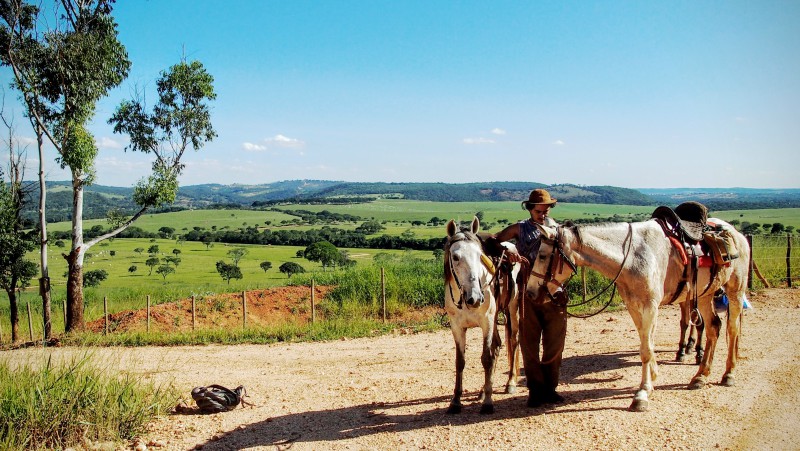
<point>216,398</point>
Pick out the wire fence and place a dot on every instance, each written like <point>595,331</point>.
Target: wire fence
<point>775,261</point>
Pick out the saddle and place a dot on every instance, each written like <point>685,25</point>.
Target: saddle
<point>710,245</point>
<point>686,223</point>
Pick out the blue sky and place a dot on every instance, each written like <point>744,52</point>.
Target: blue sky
<point>626,93</point>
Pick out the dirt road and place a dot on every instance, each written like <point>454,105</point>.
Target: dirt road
<point>391,392</point>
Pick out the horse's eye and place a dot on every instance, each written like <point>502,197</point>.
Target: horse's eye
<point>542,257</point>
<point>456,258</point>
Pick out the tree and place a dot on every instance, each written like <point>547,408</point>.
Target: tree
<point>370,227</point>
<point>236,254</point>
<point>291,268</point>
<point>62,74</point>
<point>15,271</point>
<point>94,277</point>
<point>112,253</point>
<point>173,260</point>
<point>323,252</point>
<point>266,266</point>
<point>132,269</point>
<point>777,228</point>
<point>139,250</point>
<point>208,240</point>
<point>176,252</point>
<point>166,232</point>
<point>228,271</point>
<point>153,249</point>
<point>152,262</point>
<point>165,270</point>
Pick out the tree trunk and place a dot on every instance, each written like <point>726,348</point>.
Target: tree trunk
<point>75,260</point>
<point>14,314</point>
<point>75,320</point>
<point>44,281</point>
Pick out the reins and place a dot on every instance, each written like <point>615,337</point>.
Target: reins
<point>557,248</point>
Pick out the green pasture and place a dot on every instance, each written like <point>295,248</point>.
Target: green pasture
<point>785,216</point>
<point>196,274</point>
<point>397,215</point>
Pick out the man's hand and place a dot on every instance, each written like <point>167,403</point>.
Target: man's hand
<point>514,257</point>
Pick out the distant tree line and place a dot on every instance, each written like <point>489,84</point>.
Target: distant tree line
<point>336,236</point>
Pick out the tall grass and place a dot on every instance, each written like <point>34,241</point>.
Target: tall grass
<point>410,282</point>
<point>56,406</point>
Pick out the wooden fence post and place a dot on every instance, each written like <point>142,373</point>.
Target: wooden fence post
<point>244,309</point>
<point>148,313</point>
<point>194,317</point>
<point>30,321</point>
<point>383,294</point>
<point>64,304</point>
<point>313,307</point>
<point>788,260</point>
<point>105,314</point>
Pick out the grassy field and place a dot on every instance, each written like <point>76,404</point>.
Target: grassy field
<point>196,274</point>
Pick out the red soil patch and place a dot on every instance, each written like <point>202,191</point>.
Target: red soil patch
<point>271,306</point>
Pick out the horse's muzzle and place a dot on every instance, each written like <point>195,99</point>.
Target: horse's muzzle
<point>473,301</point>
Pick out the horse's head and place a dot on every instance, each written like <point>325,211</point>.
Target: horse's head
<point>463,266</point>
<point>551,267</point>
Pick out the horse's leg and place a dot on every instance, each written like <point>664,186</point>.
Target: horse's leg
<point>698,349</point>
<point>460,338</point>
<point>512,345</point>
<point>646,324</point>
<point>491,341</point>
<point>734,331</point>
<point>683,346</point>
<point>712,326</point>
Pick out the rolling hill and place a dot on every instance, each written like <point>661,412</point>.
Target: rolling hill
<point>99,199</point>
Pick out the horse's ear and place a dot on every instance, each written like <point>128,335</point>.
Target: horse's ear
<point>476,224</point>
<point>547,232</point>
<point>451,228</point>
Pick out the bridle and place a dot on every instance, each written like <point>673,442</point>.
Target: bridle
<point>556,264</point>
<point>485,261</point>
<point>557,259</point>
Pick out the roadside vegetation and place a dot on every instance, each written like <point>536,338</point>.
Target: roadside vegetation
<point>49,405</point>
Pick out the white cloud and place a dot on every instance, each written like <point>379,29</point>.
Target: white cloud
<point>25,141</point>
<point>284,141</point>
<point>498,131</point>
<point>471,141</point>
<point>559,142</point>
<point>250,147</point>
<point>108,143</point>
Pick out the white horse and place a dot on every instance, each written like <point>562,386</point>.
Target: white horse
<point>647,269</point>
<point>471,300</point>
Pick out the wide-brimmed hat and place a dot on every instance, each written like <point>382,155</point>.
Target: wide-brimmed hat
<point>538,196</point>
<point>693,217</point>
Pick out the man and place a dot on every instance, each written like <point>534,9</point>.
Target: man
<point>543,321</point>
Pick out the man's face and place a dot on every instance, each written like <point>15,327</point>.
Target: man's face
<point>539,213</point>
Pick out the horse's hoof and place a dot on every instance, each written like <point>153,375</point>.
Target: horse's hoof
<point>487,409</point>
<point>696,384</point>
<point>454,409</point>
<point>511,389</point>
<point>728,380</point>
<point>698,360</point>
<point>639,405</point>
<point>680,357</point>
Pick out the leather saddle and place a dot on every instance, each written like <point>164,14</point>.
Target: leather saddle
<point>686,223</point>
